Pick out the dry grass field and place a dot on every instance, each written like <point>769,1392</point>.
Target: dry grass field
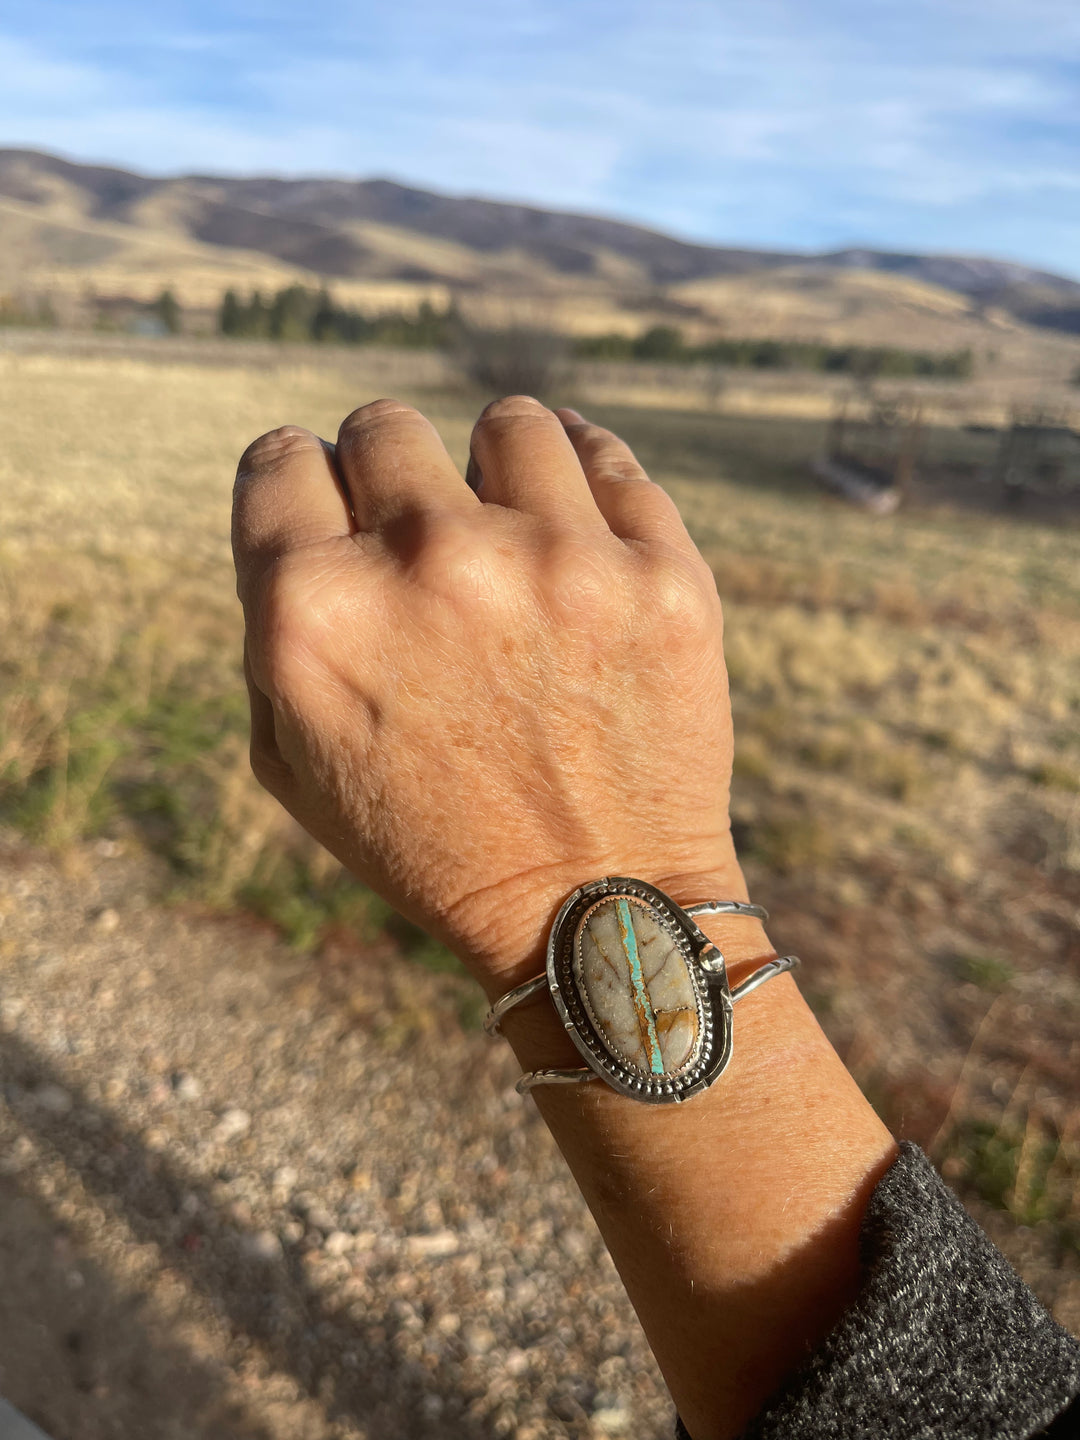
<point>907,696</point>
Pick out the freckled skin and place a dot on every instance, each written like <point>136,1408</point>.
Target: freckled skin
<point>478,702</point>
<point>570,668</point>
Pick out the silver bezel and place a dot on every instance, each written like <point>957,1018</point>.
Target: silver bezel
<point>710,984</point>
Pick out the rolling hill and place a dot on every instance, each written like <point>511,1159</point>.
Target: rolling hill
<point>67,228</point>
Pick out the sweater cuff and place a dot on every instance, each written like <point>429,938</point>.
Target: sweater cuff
<point>944,1339</point>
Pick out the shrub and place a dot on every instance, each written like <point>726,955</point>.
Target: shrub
<point>519,360</point>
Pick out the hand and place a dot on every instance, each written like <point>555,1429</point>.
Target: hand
<point>478,701</point>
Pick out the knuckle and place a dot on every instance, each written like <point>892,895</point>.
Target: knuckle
<point>578,578</point>
<point>681,593</point>
<point>296,611</point>
<point>594,437</point>
<point>512,407</point>
<point>275,447</point>
<point>378,412</point>
<point>617,465</point>
<point>604,448</point>
<point>456,562</point>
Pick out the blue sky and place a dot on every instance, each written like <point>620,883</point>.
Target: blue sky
<point>910,124</point>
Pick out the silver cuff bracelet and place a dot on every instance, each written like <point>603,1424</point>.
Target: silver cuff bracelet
<point>641,991</point>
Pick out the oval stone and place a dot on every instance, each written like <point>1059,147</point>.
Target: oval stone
<point>637,987</point>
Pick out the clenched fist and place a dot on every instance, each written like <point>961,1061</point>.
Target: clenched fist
<point>480,695</point>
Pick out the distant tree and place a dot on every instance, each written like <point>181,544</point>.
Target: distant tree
<point>292,312</point>
<point>323,322</point>
<point>167,309</point>
<point>611,346</point>
<point>661,342</point>
<point>231,317</point>
<point>46,314</point>
<point>27,310</point>
<point>257,323</point>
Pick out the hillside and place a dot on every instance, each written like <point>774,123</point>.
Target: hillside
<point>69,230</point>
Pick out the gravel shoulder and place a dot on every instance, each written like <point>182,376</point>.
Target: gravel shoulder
<point>244,1193</point>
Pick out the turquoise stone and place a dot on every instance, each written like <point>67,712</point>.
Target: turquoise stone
<point>637,987</point>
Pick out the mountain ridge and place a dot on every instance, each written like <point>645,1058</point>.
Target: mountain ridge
<point>329,226</point>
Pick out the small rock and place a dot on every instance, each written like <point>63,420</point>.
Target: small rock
<point>433,1246</point>
<point>156,1139</point>
<point>611,1421</point>
<point>10,1009</point>
<point>107,920</point>
<point>263,1245</point>
<point>53,1099</point>
<point>337,1242</point>
<point>18,1157</point>
<point>565,1407</point>
<point>516,1362</point>
<point>233,1123</point>
<point>574,1244</point>
<point>448,1324</point>
<point>292,1231</point>
<point>107,849</point>
<point>285,1178</point>
<point>186,1086</point>
<point>319,1218</point>
<point>479,1339</point>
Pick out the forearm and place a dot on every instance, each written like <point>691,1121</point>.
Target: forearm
<point>480,697</point>
<point>734,1219</point>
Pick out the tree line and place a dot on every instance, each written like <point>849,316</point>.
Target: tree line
<point>301,314</point>
<point>666,344</point>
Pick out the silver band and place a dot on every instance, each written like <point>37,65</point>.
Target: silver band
<point>728,907</point>
<point>595,971</point>
<point>521,993</point>
<point>532,1078</point>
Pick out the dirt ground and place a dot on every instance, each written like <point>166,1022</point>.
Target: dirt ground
<point>248,1193</point>
<point>244,1193</point>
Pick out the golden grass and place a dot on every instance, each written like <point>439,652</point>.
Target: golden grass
<point>906,692</point>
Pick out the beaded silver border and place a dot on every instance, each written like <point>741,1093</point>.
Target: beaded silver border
<point>709,980</point>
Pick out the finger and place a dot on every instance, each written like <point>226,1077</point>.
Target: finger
<point>634,507</point>
<point>287,495</point>
<point>267,763</point>
<point>393,463</point>
<point>526,463</point>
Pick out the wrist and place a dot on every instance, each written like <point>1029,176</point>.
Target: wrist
<point>733,1219</point>
<point>501,933</point>
<point>533,1027</point>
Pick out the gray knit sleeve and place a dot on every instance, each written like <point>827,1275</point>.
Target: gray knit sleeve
<point>944,1339</point>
